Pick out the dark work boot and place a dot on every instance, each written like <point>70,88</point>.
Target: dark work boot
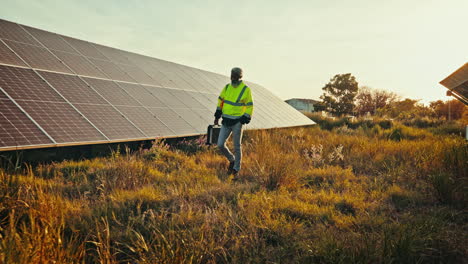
<point>231,167</point>
<point>235,174</point>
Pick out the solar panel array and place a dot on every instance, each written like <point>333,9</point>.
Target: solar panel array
<point>457,82</point>
<point>57,90</point>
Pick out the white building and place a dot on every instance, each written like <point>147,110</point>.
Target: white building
<point>304,105</point>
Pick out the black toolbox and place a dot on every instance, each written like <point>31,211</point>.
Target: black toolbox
<point>212,134</point>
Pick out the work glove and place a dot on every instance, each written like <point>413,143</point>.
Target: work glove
<point>244,120</point>
<point>218,114</point>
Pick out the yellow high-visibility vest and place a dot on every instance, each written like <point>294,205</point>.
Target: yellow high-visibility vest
<point>236,102</point>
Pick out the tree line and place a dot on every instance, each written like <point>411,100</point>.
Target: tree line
<point>342,96</point>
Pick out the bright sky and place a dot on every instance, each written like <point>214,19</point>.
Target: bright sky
<point>291,47</point>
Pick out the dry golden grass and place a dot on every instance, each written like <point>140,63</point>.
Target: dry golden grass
<point>306,195</point>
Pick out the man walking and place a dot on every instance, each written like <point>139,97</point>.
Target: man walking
<point>235,105</point>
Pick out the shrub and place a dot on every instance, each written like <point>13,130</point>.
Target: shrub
<point>158,147</point>
<point>400,132</point>
<point>452,128</point>
<point>191,146</point>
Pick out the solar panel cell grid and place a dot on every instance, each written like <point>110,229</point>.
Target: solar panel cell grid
<point>25,84</point>
<point>203,85</point>
<point>7,56</point>
<point>206,116</point>
<point>73,88</point>
<point>63,123</point>
<point>146,121</point>
<point>111,70</point>
<point>37,57</point>
<point>192,118</point>
<point>114,55</point>
<point>13,31</point>
<point>112,92</point>
<point>138,60</point>
<point>50,40</point>
<point>79,64</point>
<point>185,97</point>
<point>16,129</point>
<point>2,95</point>
<point>220,79</point>
<point>173,121</point>
<point>181,74</point>
<point>204,101</point>
<point>213,98</point>
<point>462,89</point>
<point>160,74</point>
<point>168,70</point>
<point>218,84</point>
<point>85,48</point>
<point>259,118</point>
<point>109,121</point>
<point>157,75</point>
<point>456,78</point>
<point>164,95</point>
<point>138,75</point>
<point>142,95</point>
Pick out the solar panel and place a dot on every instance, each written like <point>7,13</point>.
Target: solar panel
<point>63,123</point>
<point>112,54</point>
<point>151,67</point>
<point>111,92</point>
<point>16,129</point>
<point>192,84</point>
<point>84,48</point>
<point>7,56</point>
<point>111,70</point>
<point>157,75</point>
<point>462,89</point>
<point>206,115</point>
<point>110,121</point>
<point>146,121</point>
<point>38,57</point>
<point>456,78</point>
<point>50,40</point>
<point>142,95</point>
<point>72,88</point>
<point>25,84</point>
<point>192,118</point>
<point>177,81</point>
<point>137,74</point>
<point>173,120</point>
<point>457,82</point>
<point>79,64</point>
<point>164,95</point>
<point>213,98</point>
<point>215,85</point>
<point>13,31</point>
<point>202,85</point>
<point>203,99</point>
<point>57,91</point>
<point>185,97</point>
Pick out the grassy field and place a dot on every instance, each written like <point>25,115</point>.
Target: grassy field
<point>379,194</point>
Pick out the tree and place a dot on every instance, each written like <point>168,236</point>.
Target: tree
<point>452,109</point>
<point>369,100</point>
<point>405,109</point>
<point>319,106</point>
<point>339,94</point>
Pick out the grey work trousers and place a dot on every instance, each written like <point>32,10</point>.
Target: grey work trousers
<point>224,134</point>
